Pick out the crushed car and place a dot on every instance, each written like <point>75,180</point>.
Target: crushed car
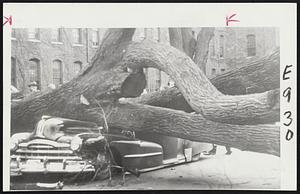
<point>66,146</point>
<point>59,145</point>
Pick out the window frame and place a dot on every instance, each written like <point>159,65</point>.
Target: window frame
<point>96,31</point>
<point>38,71</point>
<point>251,45</point>
<point>80,37</point>
<point>61,81</point>
<point>37,35</point>
<point>77,63</point>
<point>13,34</point>
<point>58,39</point>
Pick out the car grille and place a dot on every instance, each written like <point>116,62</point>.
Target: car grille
<point>51,150</point>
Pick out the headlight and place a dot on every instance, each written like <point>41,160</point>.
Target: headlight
<point>13,146</point>
<point>76,143</point>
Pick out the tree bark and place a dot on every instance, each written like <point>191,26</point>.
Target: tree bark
<point>252,77</point>
<point>176,40</point>
<point>106,80</point>
<point>201,53</point>
<point>198,91</point>
<point>183,39</point>
<point>188,41</point>
<point>257,76</point>
<point>258,138</point>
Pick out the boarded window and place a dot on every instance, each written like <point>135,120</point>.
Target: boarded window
<point>251,45</point>
<point>57,72</point>
<point>221,45</point>
<point>77,35</point>
<point>77,67</point>
<point>57,35</point>
<point>34,71</point>
<point>33,34</point>
<point>13,72</point>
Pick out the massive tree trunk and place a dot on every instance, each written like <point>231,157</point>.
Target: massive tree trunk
<point>256,76</point>
<point>106,80</point>
<point>198,91</point>
<point>183,39</point>
<point>176,39</point>
<point>188,41</point>
<point>201,52</point>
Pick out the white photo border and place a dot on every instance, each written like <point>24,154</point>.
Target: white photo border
<point>111,15</point>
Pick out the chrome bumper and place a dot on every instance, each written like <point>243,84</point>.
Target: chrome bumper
<point>17,168</point>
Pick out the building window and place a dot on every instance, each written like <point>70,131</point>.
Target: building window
<point>13,72</point>
<point>13,33</point>
<point>77,35</point>
<point>213,71</point>
<point>95,37</point>
<point>34,71</point>
<point>57,72</point>
<point>222,70</point>
<point>156,34</point>
<point>222,46</point>
<point>140,34</point>
<point>33,34</point>
<point>57,35</point>
<point>77,67</point>
<point>251,45</point>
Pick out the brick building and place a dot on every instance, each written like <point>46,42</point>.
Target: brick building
<point>49,55</point>
<point>229,46</point>
<point>56,55</point>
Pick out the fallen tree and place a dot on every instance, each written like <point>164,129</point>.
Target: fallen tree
<point>106,80</point>
<point>256,76</point>
<point>197,90</point>
<point>201,50</point>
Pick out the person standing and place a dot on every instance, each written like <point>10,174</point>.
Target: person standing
<point>214,150</point>
<point>33,87</point>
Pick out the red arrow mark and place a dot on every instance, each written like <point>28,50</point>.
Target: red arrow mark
<point>8,20</point>
<point>228,19</point>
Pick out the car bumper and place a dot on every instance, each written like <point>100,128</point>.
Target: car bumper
<point>38,167</point>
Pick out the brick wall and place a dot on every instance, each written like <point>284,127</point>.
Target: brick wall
<point>68,52</point>
<point>45,50</point>
<point>235,47</point>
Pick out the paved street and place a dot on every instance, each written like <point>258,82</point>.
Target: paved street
<point>240,170</point>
